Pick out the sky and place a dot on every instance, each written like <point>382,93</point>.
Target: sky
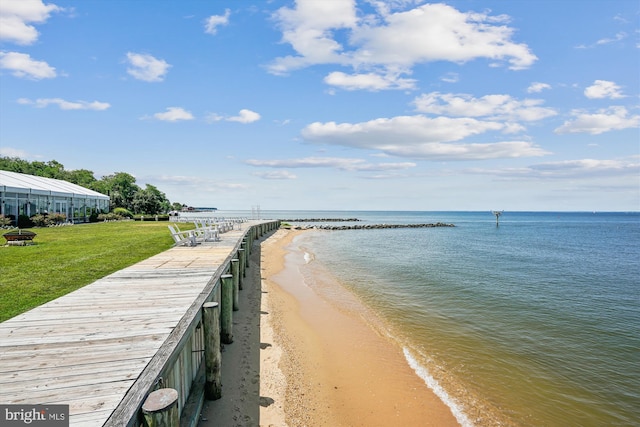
<point>333,104</point>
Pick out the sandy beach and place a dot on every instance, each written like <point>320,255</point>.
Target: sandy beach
<point>305,356</point>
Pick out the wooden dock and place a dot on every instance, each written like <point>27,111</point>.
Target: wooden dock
<point>89,348</point>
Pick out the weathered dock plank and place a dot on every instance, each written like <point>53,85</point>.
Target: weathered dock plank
<point>90,418</point>
<point>75,395</point>
<point>87,349</point>
<point>81,375</point>
<point>47,356</point>
<point>21,368</point>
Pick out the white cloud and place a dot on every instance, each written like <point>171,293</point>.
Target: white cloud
<point>197,183</point>
<point>276,175</point>
<point>174,114</point>
<point>66,105</point>
<point>213,22</point>
<point>450,78</point>
<point>590,167</point>
<point>438,32</point>
<point>16,17</point>
<point>537,87</point>
<point>612,118</point>
<point>244,116</point>
<point>213,117</point>
<point>497,107</point>
<point>581,168</point>
<point>331,162</point>
<point>368,81</point>
<point>147,68</point>
<point>23,66</point>
<point>420,137</point>
<point>391,43</point>
<point>618,37</point>
<point>309,30</point>
<point>603,89</point>
<point>604,41</point>
<point>620,19</point>
<point>13,152</point>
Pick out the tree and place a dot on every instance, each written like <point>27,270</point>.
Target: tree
<point>51,169</point>
<point>150,201</point>
<point>81,177</point>
<point>177,206</point>
<point>121,188</point>
<point>14,164</point>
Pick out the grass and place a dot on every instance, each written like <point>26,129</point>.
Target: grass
<point>67,258</point>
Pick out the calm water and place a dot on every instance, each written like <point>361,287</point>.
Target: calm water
<point>535,322</point>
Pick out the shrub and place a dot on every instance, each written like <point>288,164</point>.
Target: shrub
<point>24,221</point>
<point>39,220</point>
<point>109,217</point>
<point>56,218</point>
<point>123,212</point>
<point>151,217</point>
<point>5,221</point>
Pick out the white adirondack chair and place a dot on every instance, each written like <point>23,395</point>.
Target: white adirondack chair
<point>182,237</point>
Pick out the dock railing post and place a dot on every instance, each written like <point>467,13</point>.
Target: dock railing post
<point>242,255</point>
<point>160,409</point>
<point>212,355</point>
<point>235,271</point>
<point>226,311</point>
<point>247,251</point>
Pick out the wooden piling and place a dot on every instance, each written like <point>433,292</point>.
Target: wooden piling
<point>226,309</point>
<point>242,255</point>
<point>212,355</point>
<point>160,409</point>
<point>235,270</point>
<point>247,251</point>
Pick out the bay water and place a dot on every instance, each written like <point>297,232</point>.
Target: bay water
<point>532,322</point>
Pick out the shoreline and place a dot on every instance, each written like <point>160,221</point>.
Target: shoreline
<point>327,365</point>
<point>476,374</point>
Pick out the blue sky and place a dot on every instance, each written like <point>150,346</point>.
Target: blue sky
<point>333,104</point>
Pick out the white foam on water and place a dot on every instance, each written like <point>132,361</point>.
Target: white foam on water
<point>307,257</point>
<point>437,389</point>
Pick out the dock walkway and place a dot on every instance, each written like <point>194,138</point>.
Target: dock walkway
<point>88,348</point>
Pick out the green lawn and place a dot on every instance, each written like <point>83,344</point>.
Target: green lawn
<point>64,259</point>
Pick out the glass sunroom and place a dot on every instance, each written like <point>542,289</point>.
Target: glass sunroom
<point>22,194</point>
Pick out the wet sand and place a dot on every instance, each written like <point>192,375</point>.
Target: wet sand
<point>307,357</point>
<point>322,363</point>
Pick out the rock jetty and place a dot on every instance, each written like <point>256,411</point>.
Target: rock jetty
<point>322,220</point>
<point>369,226</point>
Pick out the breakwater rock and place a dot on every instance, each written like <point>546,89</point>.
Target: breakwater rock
<point>322,220</point>
<point>370,226</point>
